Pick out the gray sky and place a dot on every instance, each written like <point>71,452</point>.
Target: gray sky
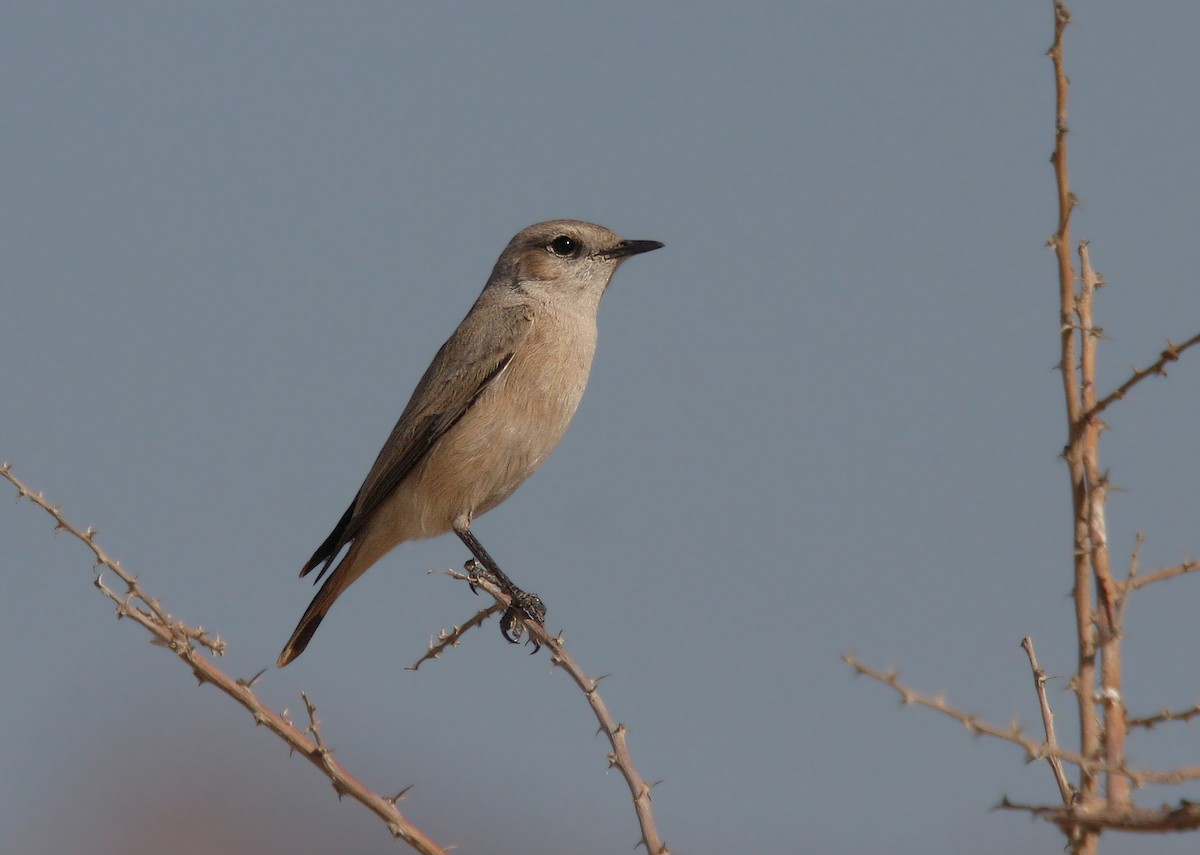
<point>824,418</point>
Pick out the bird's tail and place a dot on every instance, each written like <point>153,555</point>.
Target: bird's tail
<point>338,581</point>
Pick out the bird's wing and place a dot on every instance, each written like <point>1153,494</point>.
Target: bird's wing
<point>465,366</point>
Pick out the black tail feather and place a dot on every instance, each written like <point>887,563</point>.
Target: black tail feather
<point>333,544</point>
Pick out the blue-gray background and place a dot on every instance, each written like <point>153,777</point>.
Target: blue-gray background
<point>824,418</point>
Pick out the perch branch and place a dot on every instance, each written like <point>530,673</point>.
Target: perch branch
<point>616,732</point>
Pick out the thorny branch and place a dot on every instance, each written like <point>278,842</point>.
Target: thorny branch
<point>1085,679</point>
<point>1158,368</point>
<point>1135,582</point>
<point>616,732</point>
<point>309,743</point>
<point>1087,449</point>
<point>975,726</point>
<point>1015,733</point>
<point>1039,681</point>
<point>179,637</point>
<point>446,640</point>
<point>1152,721</point>
<point>1099,617</point>
<point>1184,817</point>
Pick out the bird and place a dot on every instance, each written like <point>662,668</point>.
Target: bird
<point>490,408</point>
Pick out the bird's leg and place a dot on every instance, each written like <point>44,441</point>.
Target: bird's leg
<point>524,606</point>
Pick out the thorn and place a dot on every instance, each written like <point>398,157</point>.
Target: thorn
<point>247,684</point>
<point>392,801</point>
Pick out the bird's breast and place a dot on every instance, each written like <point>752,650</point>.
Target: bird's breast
<point>518,420</point>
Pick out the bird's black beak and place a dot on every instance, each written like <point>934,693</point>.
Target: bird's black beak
<point>627,248</point>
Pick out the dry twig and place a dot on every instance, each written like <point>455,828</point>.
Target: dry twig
<point>1085,679</point>
<point>1152,721</point>
<point>1097,682</point>
<point>446,640</point>
<point>1087,448</point>
<point>619,757</point>
<point>179,637</point>
<point>1158,368</point>
<point>1183,817</point>
<point>1135,582</point>
<point>1039,682</point>
<point>1015,734</point>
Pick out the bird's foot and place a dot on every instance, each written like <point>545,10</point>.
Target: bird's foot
<point>524,607</point>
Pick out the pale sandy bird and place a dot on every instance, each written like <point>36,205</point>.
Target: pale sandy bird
<point>488,411</point>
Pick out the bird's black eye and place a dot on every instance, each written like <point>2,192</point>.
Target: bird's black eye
<point>564,246</point>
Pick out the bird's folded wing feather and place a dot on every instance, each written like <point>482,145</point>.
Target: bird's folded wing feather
<point>465,366</point>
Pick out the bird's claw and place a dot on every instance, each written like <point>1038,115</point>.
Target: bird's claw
<point>475,571</point>
<point>525,607</point>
